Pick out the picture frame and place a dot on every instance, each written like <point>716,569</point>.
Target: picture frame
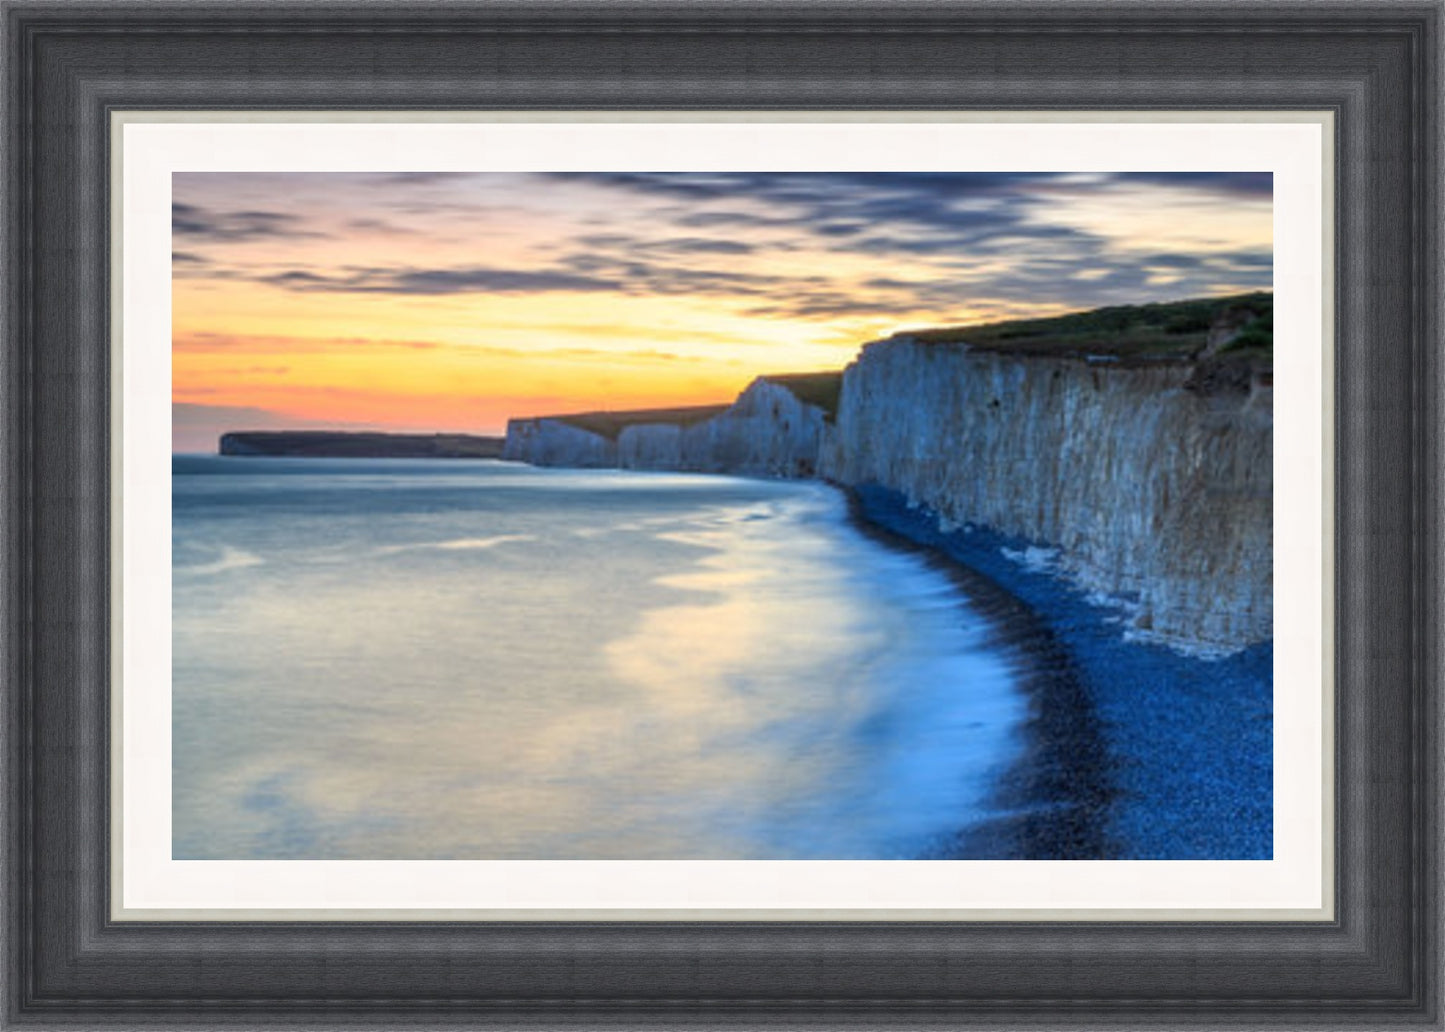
<point>70,66</point>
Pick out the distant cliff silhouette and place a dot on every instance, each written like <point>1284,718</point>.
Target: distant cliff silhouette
<point>332,444</point>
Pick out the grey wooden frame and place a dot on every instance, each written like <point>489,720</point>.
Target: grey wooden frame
<point>1375,65</point>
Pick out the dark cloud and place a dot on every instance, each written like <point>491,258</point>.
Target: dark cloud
<point>665,280</point>
<point>1074,282</point>
<point>496,281</point>
<point>714,219</point>
<point>607,241</point>
<point>841,205</point>
<point>380,226</point>
<point>419,178</point>
<point>906,213</point>
<point>589,271</point>
<point>296,279</point>
<point>1243,184</point>
<point>190,265</point>
<point>1243,260</point>
<point>933,241</point>
<point>701,245</point>
<point>982,238</point>
<point>597,261</point>
<point>641,276</point>
<point>668,245</point>
<point>807,188</point>
<point>1172,261</point>
<point>928,216</point>
<point>1088,276</point>
<point>441,281</point>
<point>189,220</point>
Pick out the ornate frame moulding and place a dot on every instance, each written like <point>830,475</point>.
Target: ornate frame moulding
<point>1374,67</point>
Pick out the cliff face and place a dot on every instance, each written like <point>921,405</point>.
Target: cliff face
<point>1147,482</point>
<point>1152,482</point>
<point>768,431</point>
<point>552,442</point>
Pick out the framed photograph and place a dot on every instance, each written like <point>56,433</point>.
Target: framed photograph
<point>777,624</point>
<point>693,515</point>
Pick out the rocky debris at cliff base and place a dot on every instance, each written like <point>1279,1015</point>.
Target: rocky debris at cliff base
<point>1039,560</point>
<point>1145,487</point>
<point>1151,475</point>
<point>1190,740</point>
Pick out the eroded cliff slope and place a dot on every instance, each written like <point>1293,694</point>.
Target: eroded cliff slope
<point>1134,445</point>
<point>768,431</point>
<point>547,441</point>
<point>1152,480</point>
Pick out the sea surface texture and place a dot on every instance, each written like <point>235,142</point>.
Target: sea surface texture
<point>407,659</point>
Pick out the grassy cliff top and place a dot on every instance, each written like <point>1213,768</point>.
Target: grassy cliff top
<point>1168,331</point>
<point>610,424</point>
<point>1238,330</point>
<point>820,390</point>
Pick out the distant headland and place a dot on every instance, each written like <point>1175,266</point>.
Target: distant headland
<point>1132,443</point>
<point>1135,441</point>
<point>336,444</point>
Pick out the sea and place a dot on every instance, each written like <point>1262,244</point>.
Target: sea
<point>479,660</point>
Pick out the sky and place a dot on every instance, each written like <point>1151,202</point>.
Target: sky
<point>453,301</point>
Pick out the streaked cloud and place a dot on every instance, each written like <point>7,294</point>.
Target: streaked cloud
<point>441,281</point>
<point>653,287</point>
<point>189,221</point>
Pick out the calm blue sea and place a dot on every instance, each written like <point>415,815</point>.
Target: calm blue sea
<point>482,660</point>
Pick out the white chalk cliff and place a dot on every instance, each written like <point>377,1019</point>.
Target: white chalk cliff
<point>555,442</point>
<point>1153,483</point>
<point>1149,483</point>
<point>767,432</point>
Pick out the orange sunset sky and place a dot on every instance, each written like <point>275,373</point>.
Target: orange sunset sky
<point>453,301</point>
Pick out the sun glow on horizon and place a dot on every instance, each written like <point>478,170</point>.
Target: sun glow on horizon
<point>454,301</point>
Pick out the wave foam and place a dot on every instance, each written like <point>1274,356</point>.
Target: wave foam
<point>457,544</point>
<point>231,559</point>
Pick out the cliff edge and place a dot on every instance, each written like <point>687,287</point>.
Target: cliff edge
<point>1132,446</point>
<point>1153,484</point>
<point>775,428</point>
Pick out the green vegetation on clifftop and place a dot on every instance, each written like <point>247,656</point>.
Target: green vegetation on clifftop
<point>1167,331</point>
<point>610,424</point>
<point>820,390</point>
<point>1229,340</point>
